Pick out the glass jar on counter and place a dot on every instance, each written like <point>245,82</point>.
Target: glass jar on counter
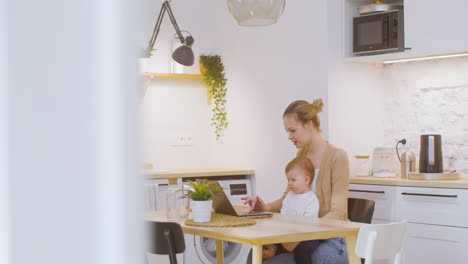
<point>361,166</point>
<point>172,195</point>
<point>176,204</point>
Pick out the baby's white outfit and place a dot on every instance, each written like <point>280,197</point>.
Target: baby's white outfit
<point>305,204</point>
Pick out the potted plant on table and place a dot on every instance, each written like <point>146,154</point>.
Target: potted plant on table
<point>212,69</point>
<point>201,193</point>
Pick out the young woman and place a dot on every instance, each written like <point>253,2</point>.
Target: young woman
<point>331,183</point>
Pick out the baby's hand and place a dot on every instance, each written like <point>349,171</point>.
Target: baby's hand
<point>256,203</point>
<point>268,252</point>
<point>251,201</point>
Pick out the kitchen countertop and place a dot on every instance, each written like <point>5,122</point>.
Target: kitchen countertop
<point>186,173</point>
<point>393,181</point>
<point>397,181</point>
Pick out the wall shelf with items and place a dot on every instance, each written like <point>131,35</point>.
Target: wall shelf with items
<point>149,76</point>
<point>173,75</point>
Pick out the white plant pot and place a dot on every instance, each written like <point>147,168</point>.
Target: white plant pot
<point>201,210</point>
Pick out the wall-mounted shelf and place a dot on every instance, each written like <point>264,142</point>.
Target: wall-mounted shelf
<point>151,75</point>
<point>174,75</point>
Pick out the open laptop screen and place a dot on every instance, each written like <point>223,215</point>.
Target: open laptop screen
<point>222,205</point>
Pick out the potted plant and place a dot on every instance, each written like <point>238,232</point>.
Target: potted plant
<point>212,69</point>
<point>201,193</point>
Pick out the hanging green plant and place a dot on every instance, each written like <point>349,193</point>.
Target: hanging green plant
<point>212,70</point>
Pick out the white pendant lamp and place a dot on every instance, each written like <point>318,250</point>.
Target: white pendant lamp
<point>252,13</point>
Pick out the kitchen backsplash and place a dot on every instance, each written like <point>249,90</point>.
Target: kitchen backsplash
<point>429,97</point>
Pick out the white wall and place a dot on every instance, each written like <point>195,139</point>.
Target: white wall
<point>269,67</point>
<point>266,67</point>
<point>429,97</point>
<point>355,91</point>
<point>72,100</point>
<point>177,107</point>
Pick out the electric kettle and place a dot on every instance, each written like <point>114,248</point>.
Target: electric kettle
<point>430,154</point>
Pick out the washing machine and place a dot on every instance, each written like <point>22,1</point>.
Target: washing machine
<point>201,250</point>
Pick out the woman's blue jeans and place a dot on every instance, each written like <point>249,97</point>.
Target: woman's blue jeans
<point>330,251</point>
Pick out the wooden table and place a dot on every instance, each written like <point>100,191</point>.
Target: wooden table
<point>277,229</point>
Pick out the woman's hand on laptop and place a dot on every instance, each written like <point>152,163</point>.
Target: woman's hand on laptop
<point>256,203</point>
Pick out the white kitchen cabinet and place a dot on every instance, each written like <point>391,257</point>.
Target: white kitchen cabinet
<point>436,206</point>
<point>384,210</point>
<point>431,27</point>
<point>435,27</point>
<point>437,219</point>
<point>434,244</point>
<point>438,229</point>
<point>384,197</point>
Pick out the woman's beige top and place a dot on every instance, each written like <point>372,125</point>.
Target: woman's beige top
<point>332,185</point>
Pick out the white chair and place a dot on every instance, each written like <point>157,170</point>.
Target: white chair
<point>381,241</point>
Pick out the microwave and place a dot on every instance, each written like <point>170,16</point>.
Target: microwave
<point>378,33</point>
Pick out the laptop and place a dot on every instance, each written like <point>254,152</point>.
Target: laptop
<point>222,205</point>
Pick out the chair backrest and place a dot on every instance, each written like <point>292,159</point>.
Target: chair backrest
<point>165,238</point>
<point>381,241</point>
<point>360,210</point>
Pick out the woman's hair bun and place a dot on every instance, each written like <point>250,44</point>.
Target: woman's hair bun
<point>317,104</point>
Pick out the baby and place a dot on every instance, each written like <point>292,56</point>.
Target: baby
<point>300,199</point>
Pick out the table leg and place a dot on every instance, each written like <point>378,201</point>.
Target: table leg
<point>219,252</point>
<point>256,254</point>
<point>351,240</point>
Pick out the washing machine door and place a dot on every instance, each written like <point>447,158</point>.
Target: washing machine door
<point>234,253</point>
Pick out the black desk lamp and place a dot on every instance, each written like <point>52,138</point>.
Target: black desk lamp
<point>183,54</point>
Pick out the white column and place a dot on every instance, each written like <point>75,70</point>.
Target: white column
<point>73,162</point>
<point>4,171</point>
<point>116,71</point>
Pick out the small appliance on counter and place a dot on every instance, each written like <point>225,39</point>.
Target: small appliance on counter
<point>430,154</point>
<point>431,160</point>
<point>408,164</point>
<point>385,162</point>
<point>361,165</point>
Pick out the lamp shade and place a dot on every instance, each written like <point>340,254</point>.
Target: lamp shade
<point>256,12</point>
<point>184,54</point>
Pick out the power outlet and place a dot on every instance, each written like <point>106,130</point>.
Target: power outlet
<point>182,141</point>
<point>189,141</point>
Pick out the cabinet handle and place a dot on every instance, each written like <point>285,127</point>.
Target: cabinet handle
<point>432,195</point>
<point>365,191</point>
